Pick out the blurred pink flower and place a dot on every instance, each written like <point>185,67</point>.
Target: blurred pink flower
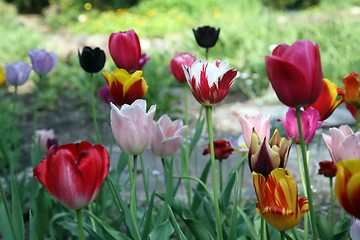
<point>43,136</point>
<point>309,122</point>
<point>132,126</point>
<point>342,143</point>
<point>179,59</point>
<point>258,123</point>
<point>355,230</point>
<point>167,136</point>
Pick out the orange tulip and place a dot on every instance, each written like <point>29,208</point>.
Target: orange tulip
<point>125,87</point>
<point>352,85</point>
<point>330,98</point>
<point>347,185</point>
<point>277,199</point>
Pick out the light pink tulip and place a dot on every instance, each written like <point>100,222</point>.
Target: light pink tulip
<point>259,123</point>
<point>342,143</point>
<point>132,126</point>
<point>309,122</point>
<point>42,136</point>
<point>167,136</point>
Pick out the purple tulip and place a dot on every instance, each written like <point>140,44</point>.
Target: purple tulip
<point>143,60</point>
<point>105,95</point>
<point>17,73</point>
<point>42,61</point>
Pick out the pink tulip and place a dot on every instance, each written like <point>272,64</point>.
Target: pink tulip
<point>343,143</point>
<point>309,122</point>
<point>176,63</point>
<point>258,123</point>
<point>132,126</point>
<point>167,136</point>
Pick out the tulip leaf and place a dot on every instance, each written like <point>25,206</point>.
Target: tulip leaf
<point>233,222</point>
<point>33,231</point>
<point>176,225</point>
<point>200,187</point>
<point>250,226</point>
<point>324,228</point>
<point>107,228</point>
<point>17,211</point>
<point>5,228</point>
<point>92,234</point>
<point>54,220</point>
<point>225,194</point>
<point>162,231</point>
<point>148,218</point>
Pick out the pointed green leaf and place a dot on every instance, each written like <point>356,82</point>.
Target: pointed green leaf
<point>162,231</point>
<point>17,214</point>
<point>33,235</point>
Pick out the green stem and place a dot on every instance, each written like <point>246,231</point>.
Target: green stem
<point>242,173</point>
<point>301,172</point>
<point>220,175</point>
<point>144,177</point>
<point>13,163</point>
<point>213,170</point>
<point>7,210</point>
<point>79,223</point>
<point>282,235</point>
<point>332,220</point>
<point>263,229</point>
<point>186,160</point>
<point>307,176</point>
<point>132,175</point>
<point>93,109</point>
<point>207,54</point>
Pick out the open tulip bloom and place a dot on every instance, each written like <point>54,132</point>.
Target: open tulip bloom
<point>210,82</point>
<point>74,173</point>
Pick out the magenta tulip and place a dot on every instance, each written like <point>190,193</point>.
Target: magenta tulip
<point>167,136</point>
<point>176,63</point>
<point>132,126</point>
<point>125,50</point>
<point>295,73</point>
<point>309,122</point>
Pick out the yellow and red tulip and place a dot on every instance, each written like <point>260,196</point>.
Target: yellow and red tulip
<point>330,98</point>
<point>125,87</point>
<point>277,199</point>
<point>347,185</point>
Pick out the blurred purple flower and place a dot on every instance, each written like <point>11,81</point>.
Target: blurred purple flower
<point>355,230</point>
<point>143,60</point>
<point>17,73</point>
<point>42,61</point>
<point>105,95</point>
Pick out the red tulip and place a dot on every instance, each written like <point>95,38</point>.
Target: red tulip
<point>74,173</point>
<point>295,73</point>
<point>222,149</point>
<point>125,50</point>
